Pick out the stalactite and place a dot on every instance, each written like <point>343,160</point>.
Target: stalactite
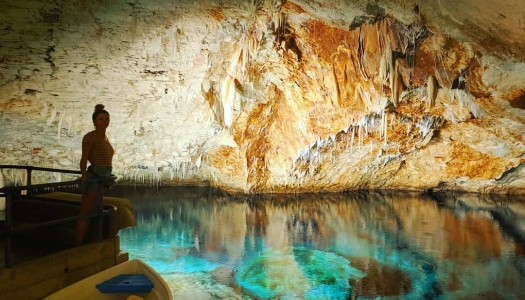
<point>277,20</point>
<point>234,59</point>
<point>383,69</point>
<point>198,161</point>
<point>466,99</point>
<point>69,121</point>
<point>384,125</point>
<point>62,114</point>
<point>348,85</point>
<point>338,89</point>
<point>360,53</point>
<point>391,76</point>
<point>358,97</point>
<point>244,55</point>
<point>43,112</point>
<point>360,135</point>
<point>397,85</point>
<point>227,99</point>
<point>459,97</point>
<point>253,46</point>
<point>276,14</point>
<point>385,66</point>
<point>428,124</point>
<point>352,138</point>
<point>381,125</point>
<point>52,116</point>
<point>385,137</point>
<point>432,91</point>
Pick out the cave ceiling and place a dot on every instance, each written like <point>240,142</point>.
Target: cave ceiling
<point>272,96</point>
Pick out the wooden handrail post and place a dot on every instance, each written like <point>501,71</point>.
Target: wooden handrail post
<point>29,171</point>
<point>9,227</point>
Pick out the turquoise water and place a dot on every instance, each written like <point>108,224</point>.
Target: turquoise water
<point>330,246</point>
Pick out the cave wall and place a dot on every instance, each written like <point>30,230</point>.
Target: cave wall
<point>266,96</point>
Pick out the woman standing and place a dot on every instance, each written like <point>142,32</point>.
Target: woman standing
<point>96,149</point>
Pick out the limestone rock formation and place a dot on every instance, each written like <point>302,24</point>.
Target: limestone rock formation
<point>272,96</point>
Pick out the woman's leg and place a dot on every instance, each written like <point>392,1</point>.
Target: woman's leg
<point>88,205</point>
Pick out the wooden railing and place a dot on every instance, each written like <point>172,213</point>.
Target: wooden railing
<point>12,193</point>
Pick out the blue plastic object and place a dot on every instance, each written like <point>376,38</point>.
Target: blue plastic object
<point>126,283</point>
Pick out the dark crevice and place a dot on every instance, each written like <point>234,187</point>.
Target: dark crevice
<point>458,83</point>
<point>518,102</point>
<point>31,92</point>
<point>50,16</point>
<point>374,13</point>
<point>154,72</point>
<point>287,37</point>
<point>49,58</point>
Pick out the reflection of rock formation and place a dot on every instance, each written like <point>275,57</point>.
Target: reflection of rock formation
<point>301,272</point>
<point>280,266</point>
<point>380,280</point>
<point>431,247</point>
<point>225,231</point>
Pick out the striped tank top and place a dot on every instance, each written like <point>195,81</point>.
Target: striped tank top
<point>101,150</point>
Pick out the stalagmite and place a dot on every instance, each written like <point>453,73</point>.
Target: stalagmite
<point>432,91</point>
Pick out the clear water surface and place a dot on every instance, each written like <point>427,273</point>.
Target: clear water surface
<point>369,245</point>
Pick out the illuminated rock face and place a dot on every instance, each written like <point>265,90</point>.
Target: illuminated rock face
<point>271,96</point>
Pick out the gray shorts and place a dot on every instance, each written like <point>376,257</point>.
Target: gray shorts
<point>97,176</point>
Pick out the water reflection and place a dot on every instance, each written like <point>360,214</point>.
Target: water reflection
<point>326,246</point>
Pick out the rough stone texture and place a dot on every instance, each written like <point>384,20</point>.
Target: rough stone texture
<point>264,96</point>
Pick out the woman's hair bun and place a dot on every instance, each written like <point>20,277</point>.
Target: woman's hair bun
<point>99,107</point>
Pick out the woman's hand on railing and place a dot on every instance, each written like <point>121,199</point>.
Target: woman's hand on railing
<point>82,178</point>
